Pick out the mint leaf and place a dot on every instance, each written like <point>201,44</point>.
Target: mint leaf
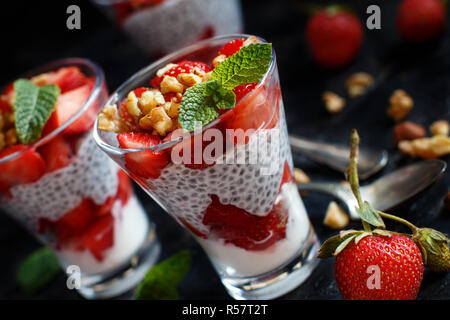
<point>161,280</point>
<point>247,65</point>
<point>37,270</point>
<point>33,106</point>
<point>196,109</point>
<point>222,98</point>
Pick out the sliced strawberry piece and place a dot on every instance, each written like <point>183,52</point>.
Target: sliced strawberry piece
<point>4,106</point>
<point>26,168</point>
<point>146,164</point>
<point>259,109</point>
<point>125,187</point>
<point>67,105</point>
<point>243,229</point>
<point>106,207</point>
<point>287,175</point>
<point>232,47</point>
<point>9,89</point>
<point>242,90</point>
<point>57,153</point>
<point>75,221</point>
<point>68,79</point>
<point>182,67</point>
<point>99,236</point>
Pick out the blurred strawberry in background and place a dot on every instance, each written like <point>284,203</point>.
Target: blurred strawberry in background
<point>334,36</point>
<point>421,20</point>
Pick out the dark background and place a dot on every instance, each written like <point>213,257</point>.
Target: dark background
<point>34,32</point>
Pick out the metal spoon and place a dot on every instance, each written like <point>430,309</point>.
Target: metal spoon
<point>388,191</point>
<point>337,156</point>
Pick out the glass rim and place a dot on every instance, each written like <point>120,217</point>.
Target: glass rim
<point>53,66</point>
<point>142,73</point>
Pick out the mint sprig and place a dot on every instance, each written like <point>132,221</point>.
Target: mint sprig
<point>33,106</point>
<point>160,281</point>
<point>247,65</point>
<point>37,270</point>
<point>201,102</point>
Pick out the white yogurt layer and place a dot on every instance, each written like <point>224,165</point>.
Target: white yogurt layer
<point>130,229</point>
<point>238,262</point>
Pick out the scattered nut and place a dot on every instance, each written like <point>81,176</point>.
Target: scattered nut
<point>41,79</point>
<point>333,102</point>
<point>440,128</point>
<point>158,120</point>
<point>218,60</point>
<point>408,131</point>
<point>171,84</point>
<point>336,218</point>
<point>400,105</point>
<point>447,201</point>
<point>427,148</point>
<point>357,84</point>
<point>300,176</point>
<point>172,109</point>
<point>150,99</point>
<point>249,40</point>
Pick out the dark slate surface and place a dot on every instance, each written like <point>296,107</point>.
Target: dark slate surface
<point>34,32</point>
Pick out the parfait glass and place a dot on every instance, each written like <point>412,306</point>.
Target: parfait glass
<point>160,27</point>
<point>242,191</point>
<point>85,211</point>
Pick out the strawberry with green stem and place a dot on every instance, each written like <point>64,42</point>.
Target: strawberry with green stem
<point>399,258</point>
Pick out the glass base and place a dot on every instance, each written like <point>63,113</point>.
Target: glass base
<point>123,281</point>
<point>280,281</point>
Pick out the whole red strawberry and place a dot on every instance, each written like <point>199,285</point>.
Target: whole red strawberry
<point>420,20</point>
<point>400,269</point>
<point>334,37</point>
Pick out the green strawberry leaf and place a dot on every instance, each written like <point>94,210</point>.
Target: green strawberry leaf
<point>330,247</point>
<point>247,65</point>
<point>196,109</point>
<point>160,281</point>
<point>33,106</point>
<point>222,98</point>
<point>37,270</point>
<point>370,215</point>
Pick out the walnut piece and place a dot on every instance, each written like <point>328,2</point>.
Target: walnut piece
<point>11,137</point>
<point>335,218</point>
<point>132,105</point>
<point>333,102</point>
<point>189,79</point>
<point>300,176</point>
<point>149,100</point>
<point>2,141</point>
<point>218,60</point>
<point>408,131</point>
<point>427,148</point>
<point>109,120</point>
<point>358,83</point>
<point>158,120</point>
<point>440,128</point>
<point>171,84</point>
<point>400,105</point>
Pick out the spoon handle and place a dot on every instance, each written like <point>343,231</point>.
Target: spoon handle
<point>337,156</point>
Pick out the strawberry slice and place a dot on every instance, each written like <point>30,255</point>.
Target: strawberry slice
<point>242,90</point>
<point>125,187</point>
<point>287,175</point>
<point>67,105</point>
<point>99,236</point>
<point>243,229</point>
<point>4,106</point>
<point>75,221</point>
<point>182,67</point>
<point>146,164</point>
<point>26,168</point>
<point>57,153</point>
<point>68,79</point>
<point>232,47</point>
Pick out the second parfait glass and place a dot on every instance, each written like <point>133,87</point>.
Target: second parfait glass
<point>249,186</point>
<point>84,207</point>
